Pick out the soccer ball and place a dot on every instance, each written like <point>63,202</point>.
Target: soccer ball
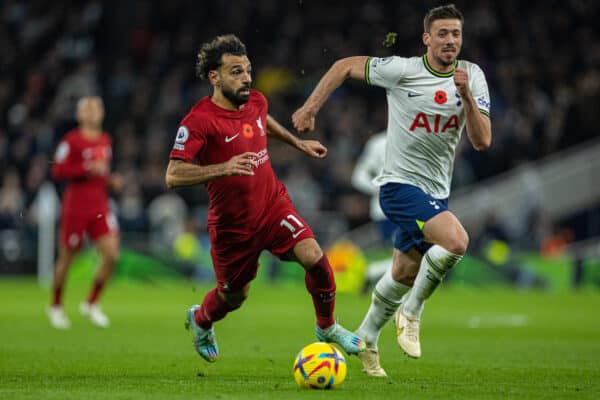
<point>319,366</point>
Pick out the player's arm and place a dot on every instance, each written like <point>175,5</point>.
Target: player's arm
<point>68,171</point>
<point>362,179</point>
<point>66,167</point>
<point>312,148</point>
<point>479,126</point>
<point>351,67</point>
<point>181,173</point>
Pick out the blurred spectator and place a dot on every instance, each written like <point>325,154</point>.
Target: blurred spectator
<point>12,200</point>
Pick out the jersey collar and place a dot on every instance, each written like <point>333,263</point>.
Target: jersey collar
<point>436,73</point>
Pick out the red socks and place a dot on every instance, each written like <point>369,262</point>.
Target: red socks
<point>95,293</point>
<point>321,285</point>
<point>57,297</point>
<point>319,282</point>
<point>212,310</point>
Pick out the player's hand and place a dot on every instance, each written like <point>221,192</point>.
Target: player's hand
<point>303,120</point>
<point>240,164</point>
<point>116,182</point>
<point>461,80</point>
<point>313,148</point>
<point>97,167</point>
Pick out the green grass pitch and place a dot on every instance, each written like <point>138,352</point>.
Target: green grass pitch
<point>477,344</point>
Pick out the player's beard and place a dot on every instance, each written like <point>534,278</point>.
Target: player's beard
<point>234,96</point>
<point>446,62</point>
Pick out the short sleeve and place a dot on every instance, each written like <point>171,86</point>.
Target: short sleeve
<point>62,151</point>
<point>188,142</point>
<point>385,72</point>
<point>480,91</point>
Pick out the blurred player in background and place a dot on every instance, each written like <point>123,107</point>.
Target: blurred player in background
<point>222,143</point>
<point>83,160</point>
<point>430,100</point>
<point>367,168</point>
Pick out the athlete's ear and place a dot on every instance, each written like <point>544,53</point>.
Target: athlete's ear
<point>213,77</point>
<point>426,38</point>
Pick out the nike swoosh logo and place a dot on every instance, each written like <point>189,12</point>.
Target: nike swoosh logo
<point>411,94</point>
<point>229,139</point>
<point>295,235</point>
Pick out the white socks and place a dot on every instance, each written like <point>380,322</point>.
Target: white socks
<point>435,264</point>
<point>385,300</point>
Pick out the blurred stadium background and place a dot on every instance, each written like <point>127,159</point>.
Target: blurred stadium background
<point>531,203</point>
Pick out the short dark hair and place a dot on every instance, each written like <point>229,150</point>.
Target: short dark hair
<point>443,12</point>
<point>210,55</point>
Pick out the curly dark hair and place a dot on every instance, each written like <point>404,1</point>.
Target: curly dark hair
<point>443,12</point>
<point>210,55</point>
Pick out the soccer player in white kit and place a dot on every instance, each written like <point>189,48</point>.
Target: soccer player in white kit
<point>431,99</point>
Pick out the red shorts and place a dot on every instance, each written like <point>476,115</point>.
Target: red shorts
<point>73,227</point>
<point>235,254</point>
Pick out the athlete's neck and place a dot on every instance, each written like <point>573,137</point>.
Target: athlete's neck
<point>223,102</point>
<point>437,66</point>
<point>90,132</point>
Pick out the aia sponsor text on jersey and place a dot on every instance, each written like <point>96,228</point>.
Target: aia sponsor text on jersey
<point>437,123</point>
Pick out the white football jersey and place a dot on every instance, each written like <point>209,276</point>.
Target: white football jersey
<point>425,119</point>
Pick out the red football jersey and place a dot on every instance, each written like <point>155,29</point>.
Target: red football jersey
<point>85,192</point>
<point>209,135</point>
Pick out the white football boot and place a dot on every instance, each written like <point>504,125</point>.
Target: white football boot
<point>407,331</point>
<point>95,314</point>
<point>370,361</point>
<point>58,318</point>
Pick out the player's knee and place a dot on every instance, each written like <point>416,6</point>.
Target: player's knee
<point>307,252</point>
<point>67,254</point>
<point>458,244</point>
<point>311,257</point>
<point>111,257</point>
<point>234,300</point>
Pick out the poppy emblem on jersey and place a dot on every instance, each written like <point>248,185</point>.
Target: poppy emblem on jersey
<point>247,131</point>
<point>440,97</point>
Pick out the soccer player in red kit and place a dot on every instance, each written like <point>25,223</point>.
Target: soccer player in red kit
<point>222,143</point>
<point>83,160</point>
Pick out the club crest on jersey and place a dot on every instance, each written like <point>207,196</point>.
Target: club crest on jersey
<point>260,126</point>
